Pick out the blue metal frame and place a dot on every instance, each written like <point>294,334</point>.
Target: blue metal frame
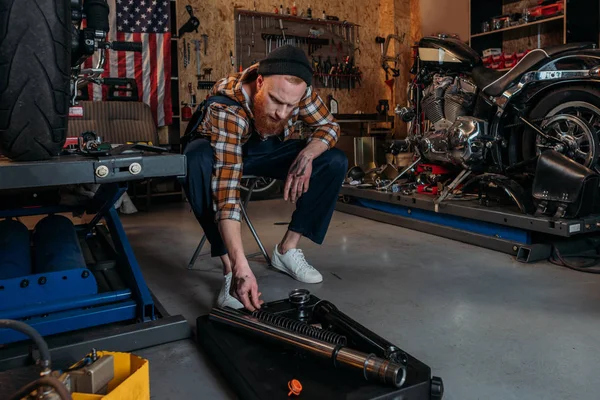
<point>133,273</point>
<point>46,287</point>
<point>63,305</point>
<point>67,321</point>
<point>465,224</point>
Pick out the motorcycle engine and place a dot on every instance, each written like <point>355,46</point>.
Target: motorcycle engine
<point>448,98</point>
<point>462,144</point>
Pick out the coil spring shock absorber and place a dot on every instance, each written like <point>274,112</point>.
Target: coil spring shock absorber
<point>300,327</point>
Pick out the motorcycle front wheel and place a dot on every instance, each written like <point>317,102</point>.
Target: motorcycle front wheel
<point>34,77</point>
<point>582,102</point>
<point>266,188</point>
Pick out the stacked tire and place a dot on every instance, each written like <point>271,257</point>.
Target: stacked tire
<point>35,50</point>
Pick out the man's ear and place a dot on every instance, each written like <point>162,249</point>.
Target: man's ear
<point>260,81</point>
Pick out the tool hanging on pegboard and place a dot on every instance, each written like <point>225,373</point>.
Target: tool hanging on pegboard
<point>198,64</point>
<point>186,60</point>
<point>192,24</point>
<point>205,39</point>
<point>189,52</point>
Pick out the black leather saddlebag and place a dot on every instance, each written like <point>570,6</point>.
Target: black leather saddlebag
<point>562,188</point>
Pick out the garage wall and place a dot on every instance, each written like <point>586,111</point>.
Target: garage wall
<point>378,18</point>
<point>447,16</point>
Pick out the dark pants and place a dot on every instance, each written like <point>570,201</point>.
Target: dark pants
<point>272,159</point>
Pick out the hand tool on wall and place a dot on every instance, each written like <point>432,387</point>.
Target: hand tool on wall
<point>327,69</point>
<point>282,29</point>
<point>192,94</point>
<point>191,25</point>
<point>185,54</point>
<point>253,31</point>
<point>205,38</point>
<point>189,52</point>
<point>381,41</point>
<point>198,65</point>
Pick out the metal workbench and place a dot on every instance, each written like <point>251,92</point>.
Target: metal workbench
<point>105,304</point>
<point>504,229</point>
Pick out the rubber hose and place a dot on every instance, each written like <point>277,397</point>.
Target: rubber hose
<point>56,245</point>
<point>96,13</point>
<point>15,252</point>
<point>33,334</point>
<point>60,388</point>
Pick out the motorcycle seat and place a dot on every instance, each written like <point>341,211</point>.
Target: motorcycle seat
<point>494,83</point>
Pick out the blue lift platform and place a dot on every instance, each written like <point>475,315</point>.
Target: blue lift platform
<point>106,303</point>
<point>498,227</point>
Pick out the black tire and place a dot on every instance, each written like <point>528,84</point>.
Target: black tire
<point>35,54</point>
<point>553,99</point>
<point>268,189</point>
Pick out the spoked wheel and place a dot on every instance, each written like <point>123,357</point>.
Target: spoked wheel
<point>265,188</point>
<point>578,137</point>
<point>570,135</point>
<point>584,110</point>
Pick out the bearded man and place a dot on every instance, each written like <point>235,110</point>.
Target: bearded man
<point>245,127</point>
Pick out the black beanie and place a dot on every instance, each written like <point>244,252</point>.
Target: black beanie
<point>287,60</point>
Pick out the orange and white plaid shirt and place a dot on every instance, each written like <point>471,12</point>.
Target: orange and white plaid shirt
<point>229,127</point>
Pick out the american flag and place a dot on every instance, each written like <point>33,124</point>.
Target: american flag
<point>148,22</point>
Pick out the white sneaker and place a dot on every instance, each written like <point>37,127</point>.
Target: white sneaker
<point>225,299</point>
<point>295,265</point>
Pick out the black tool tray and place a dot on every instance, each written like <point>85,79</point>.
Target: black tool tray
<point>256,369</point>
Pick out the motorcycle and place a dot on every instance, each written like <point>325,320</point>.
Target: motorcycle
<point>478,120</point>
<point>41,66</point>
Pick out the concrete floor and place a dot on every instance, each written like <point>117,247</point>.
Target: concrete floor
<point>491,327</point>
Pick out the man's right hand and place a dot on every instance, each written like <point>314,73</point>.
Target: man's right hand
<point>244,286</point>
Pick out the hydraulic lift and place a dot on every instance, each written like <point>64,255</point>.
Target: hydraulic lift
<point>498,227</point>
<point>106,303</point>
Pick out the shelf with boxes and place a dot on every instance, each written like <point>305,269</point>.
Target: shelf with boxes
<point>503,31</point>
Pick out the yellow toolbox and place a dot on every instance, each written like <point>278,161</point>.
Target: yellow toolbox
<point>131,379</point>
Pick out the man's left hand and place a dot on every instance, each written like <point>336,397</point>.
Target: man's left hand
<point>298,177</point>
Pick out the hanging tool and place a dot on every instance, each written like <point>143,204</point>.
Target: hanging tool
<point>189,52</point>
<point>381,41</point>
<point>282,30</point>
<point>205,38</point>
<point>197,48</point>
<point>191,25</point>
<point>185,54</point>
<point>207,73</point>
<point>385,59</point>
<point>253,31</point>
<point>192,94</point>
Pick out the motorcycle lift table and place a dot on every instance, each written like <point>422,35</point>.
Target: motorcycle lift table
<point>501,228</point>
<point>106,303</point>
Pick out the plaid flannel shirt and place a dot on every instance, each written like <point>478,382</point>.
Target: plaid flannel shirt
<point>229,127</point>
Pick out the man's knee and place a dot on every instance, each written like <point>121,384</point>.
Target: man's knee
<point>337,162</point>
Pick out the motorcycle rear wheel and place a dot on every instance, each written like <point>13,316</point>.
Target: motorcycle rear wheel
<point>34,77</point>
<point>579,101</point>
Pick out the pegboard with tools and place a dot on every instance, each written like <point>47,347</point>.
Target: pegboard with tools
<point>332,46</point>
<point>193,52</point>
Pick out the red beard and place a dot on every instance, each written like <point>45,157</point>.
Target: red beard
<point>263,122</point>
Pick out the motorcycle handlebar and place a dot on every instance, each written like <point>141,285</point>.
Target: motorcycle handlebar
<point>127,46</point>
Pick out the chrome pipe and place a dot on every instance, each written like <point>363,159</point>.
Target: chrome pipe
<point>373,368</point>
